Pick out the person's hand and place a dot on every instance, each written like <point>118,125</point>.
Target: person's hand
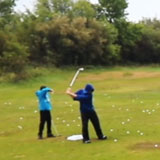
<point>69,90</point>
<point>52,91</point>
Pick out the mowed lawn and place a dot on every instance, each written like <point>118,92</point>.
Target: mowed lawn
<point>127,101</point>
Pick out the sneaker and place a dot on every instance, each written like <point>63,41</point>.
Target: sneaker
<point>86,141</point>
<point>103,138</point>
<point>50,136</point>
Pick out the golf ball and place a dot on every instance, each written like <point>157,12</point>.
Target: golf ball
<point>35,111</point>
<point>156,145</point>
<point>21,118</point>
<point>141,134</point>
<point>111,130</point>
<point>128,120</point>
<point>138,131</point>
<point>20,127</point>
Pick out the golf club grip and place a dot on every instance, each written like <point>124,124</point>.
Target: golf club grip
<point>74,78</point>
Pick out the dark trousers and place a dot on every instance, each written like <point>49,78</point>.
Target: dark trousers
<point>92,116</point>
<point>45,116</point>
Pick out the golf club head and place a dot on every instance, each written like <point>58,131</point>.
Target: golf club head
<point>81,69</point>
<point>75,76</point>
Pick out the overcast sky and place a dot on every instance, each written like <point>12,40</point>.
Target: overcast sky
<point>137,9</point>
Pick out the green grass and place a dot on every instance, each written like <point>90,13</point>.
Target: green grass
<point>127,101</point>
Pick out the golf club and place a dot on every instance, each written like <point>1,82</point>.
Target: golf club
<point>75,76</point>
<point>55,128</point>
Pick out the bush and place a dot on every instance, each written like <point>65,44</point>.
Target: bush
<point>77,41</point>
<point>13,57</point>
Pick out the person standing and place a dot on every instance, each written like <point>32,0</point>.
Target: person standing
<point>85,96</point>
<point>45,110</point>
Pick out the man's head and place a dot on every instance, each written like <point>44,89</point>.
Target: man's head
<point>42,87</point>
<point>89,88</point>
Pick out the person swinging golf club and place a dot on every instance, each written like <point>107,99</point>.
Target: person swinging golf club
<point>84,96</point>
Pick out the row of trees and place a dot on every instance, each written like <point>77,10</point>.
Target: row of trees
<point>68,32</point>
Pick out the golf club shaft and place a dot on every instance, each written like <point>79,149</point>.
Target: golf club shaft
<point>55,128</point>
<point>74,78</point>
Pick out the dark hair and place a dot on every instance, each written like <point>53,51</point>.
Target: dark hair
<point>42,87</point>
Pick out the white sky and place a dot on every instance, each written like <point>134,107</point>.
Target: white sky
<point>137,9</point>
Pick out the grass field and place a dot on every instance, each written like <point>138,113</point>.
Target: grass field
<point>127,101</point>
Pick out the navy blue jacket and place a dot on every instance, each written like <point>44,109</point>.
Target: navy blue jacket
<point>84,96</point>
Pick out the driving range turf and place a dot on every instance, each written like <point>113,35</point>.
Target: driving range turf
<point>127,101</point>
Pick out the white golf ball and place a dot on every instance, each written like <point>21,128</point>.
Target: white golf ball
<point>141,134</point>
<point>115,140</point>
<point>35,111</point>
<point>21,118</point>
<point>156,145</point>
<point>113,105</point>
<point>111,130</point>
<point>20,127</point>
<point>138,131</point>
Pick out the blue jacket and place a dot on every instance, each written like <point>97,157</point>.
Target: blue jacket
<point>84,96</point>
<point>44,99</point>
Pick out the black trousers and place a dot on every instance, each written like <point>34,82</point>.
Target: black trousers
<point>92,116</point>
<point>45,117</point>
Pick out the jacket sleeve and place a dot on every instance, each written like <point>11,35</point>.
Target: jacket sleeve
<point>43,91</point>
<point>82,97</point>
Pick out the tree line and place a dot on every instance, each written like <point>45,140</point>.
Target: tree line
<point>69,32</point>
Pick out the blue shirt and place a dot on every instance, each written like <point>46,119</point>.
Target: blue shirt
<point>84,96</point>
<point>44,99</point>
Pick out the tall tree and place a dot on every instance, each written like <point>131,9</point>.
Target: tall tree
<point>128,36</point>
<point>6,10</point>
<point>61,6</point>
<point>112,9</point>
<point>83,8</point>
<point>43,10</point>
<point>47,9</point>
